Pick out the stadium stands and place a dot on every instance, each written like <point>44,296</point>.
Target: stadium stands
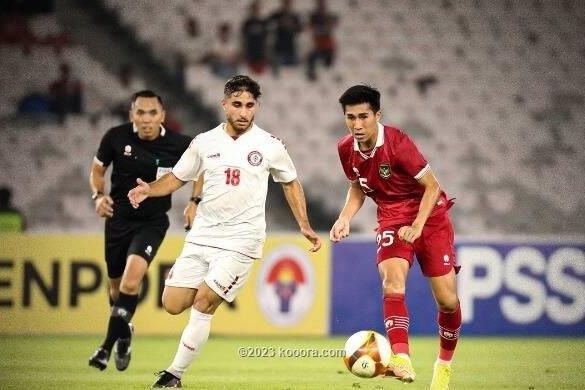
<point>491,91</point>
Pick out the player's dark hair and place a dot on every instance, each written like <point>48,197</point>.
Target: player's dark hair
<point>241,83</point>
<point>146,93</point>
<point>359,94</point>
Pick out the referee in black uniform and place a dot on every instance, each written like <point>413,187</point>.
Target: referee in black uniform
<point>142,148</point>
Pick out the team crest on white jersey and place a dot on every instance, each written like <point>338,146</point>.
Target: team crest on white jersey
<point>384,170</point>
<point>255,158</point>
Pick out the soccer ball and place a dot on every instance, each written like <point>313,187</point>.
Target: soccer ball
<point>367,354</point>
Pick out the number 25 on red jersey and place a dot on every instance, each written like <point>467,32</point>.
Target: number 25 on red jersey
<point>384,239</point>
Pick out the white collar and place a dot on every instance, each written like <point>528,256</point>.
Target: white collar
<point>163,131</point>
<point>222,126</point>
<point>379,142</point>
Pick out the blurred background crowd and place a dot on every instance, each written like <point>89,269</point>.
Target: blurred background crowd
<point>492,92</point>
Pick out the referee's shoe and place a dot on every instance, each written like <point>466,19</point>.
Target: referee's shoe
<point>100,358</point>
<point>123,352</point>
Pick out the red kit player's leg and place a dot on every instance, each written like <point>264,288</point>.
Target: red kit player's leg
<point>393,268</point>
<point>449,316</point>
<point>393,272</point>
<point>436,254</point>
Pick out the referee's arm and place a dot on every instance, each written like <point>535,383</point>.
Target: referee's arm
<point>97,182</point>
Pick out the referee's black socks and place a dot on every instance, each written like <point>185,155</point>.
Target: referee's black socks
<point>121,314</point>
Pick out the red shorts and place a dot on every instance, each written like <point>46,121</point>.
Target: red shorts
<point>434,248</point>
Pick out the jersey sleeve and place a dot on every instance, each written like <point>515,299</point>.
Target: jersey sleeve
<point>190,165</point>
<point>344,158</point>
<point>281,166</point>
<point>410,158</point>
<point>106,153</point>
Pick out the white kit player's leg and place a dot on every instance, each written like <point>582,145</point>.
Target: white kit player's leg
<point>193,339</point>
<point>226,272</point>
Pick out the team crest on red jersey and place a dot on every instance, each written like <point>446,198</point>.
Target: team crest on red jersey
<point>384,170</point>
<point>255,158</point>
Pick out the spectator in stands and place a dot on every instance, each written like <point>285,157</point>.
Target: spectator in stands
<point>192,49</point>
<point>285,25</point>
<point>423,83</point>
<point>14,29</point>
<point>224,57</point>
<point>129,83</point>
<point>66,93</point>
<point>58,41</point>
<point>11,219</point>
<point>35,103</point>
<point>255,33</point>
<point>172,123</point>
<point>321,24</point>
<point>192,45</point>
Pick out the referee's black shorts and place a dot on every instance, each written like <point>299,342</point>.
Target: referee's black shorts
<point>132,237</point>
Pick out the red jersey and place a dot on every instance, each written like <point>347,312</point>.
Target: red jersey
<point>388,174</point>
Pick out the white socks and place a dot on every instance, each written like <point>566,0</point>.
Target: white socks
<point>192,340</point>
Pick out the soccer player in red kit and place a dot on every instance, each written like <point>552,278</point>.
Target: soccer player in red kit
<point>382,162</point>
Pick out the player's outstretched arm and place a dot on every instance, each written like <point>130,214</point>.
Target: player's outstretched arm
<point>353,202</point>
<point>293,191</point>
<point>161,187</point>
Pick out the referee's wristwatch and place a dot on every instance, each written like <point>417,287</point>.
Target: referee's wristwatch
<point>195,199</point>
<point>96,195</point>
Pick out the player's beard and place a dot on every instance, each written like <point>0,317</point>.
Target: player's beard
<point>237,126</point>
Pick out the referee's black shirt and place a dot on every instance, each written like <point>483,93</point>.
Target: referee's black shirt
<point>135,158</point>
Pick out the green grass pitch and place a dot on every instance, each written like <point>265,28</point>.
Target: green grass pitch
<point>60,362</point>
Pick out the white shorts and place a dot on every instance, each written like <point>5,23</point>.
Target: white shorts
<point>224,271</point>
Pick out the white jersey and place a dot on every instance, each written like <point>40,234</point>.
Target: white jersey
<point>231,214</point>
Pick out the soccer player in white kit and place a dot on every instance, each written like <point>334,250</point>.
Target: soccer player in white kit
<point>228,233</point>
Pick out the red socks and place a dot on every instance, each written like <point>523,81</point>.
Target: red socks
<point>396,322</point>
<point>449,325</point>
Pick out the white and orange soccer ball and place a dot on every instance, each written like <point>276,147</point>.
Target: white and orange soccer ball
<point>367,354</point>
